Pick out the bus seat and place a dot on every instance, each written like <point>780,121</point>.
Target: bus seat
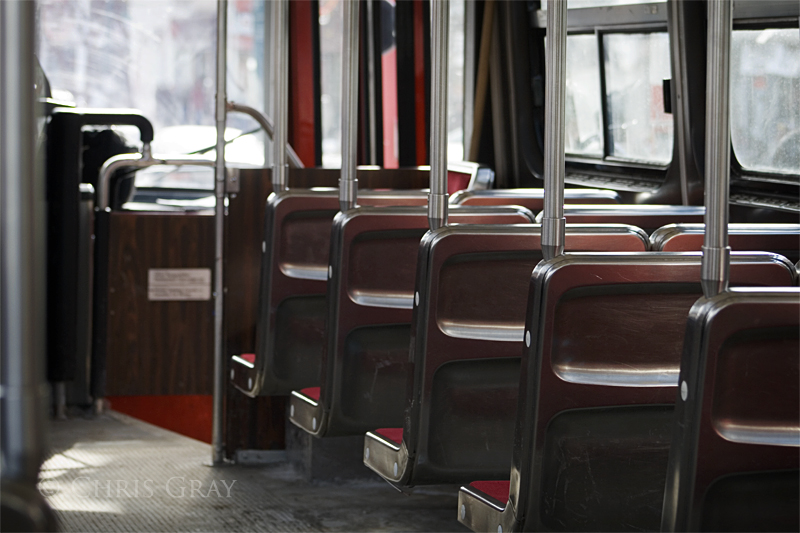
<point>647,217</point>
<point>369,310</point>
<point>782,239</point>
<point>294,271</point>
<point>469,176</point>
<point>468,334</point>
<point>73,155</point>
<point>297,225</point>
<point>597,390</point>
<point>533,199</point>
<point>734,460</point>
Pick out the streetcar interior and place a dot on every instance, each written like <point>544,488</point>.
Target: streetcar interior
<point>419,265</point>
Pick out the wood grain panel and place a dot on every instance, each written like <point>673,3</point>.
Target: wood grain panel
<point>368,178</point>
<point>159,347</point>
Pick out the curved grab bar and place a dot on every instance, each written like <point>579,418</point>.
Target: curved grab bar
<point>266,124</point>
<point>142,160</point>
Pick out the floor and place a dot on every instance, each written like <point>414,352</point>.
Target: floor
<point>115,473</point>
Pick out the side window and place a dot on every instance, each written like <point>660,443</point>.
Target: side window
<point>633,125</point>
<point>584,109</point>
<point>765,99</point>
<point>635,66</point>
<point>159,57</point>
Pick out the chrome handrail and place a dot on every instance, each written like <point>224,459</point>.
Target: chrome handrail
<point>22,224</point>
<point>716,252</point>
<point>141,160</point>
<point>348,183</point>
<point>221,117</point>
<point>553,221</point>
<point>280,92</point>
<point>438,197</point>
<point>266,124</point>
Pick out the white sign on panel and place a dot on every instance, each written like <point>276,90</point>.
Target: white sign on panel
<point>176,284</point>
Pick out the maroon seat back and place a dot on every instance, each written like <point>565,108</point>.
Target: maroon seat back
<point>647,217</point>
<point>783,239</point>
<point>533,199</point>
<point>294,271</point>
<point>735,453</point>
<point>369,302</point>
<point>599,381</point>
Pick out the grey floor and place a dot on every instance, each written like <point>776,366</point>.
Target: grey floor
<point>114,473</point>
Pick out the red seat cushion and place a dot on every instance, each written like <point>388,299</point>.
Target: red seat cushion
<point>311,392</point>
<point>495,489</point>
<point>393,434</point>
<point>457,181</point>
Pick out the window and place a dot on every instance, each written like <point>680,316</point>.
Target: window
<point>455,82</point>
<point>331,27</point>
<point>765,99</point>
<point>636,65</point>
<point>584,111</point>
<point>158,57</point>
<point>577,4</point>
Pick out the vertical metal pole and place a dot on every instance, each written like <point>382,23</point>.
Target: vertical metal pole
<point>280,92</point>
<point>716,252</point>
<point>553,222</point>
<point>348,183</point>
<point>469,73</point>
<point>23,256</point>
<point>437,198</point>
<point>268,82</point>
<point>219,224</point>
<point>373,97</point>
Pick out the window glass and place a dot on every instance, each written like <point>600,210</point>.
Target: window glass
<point>636,65</point>
<point>576,4</point>
<point>158,57</point>
<point>455,82</point>
<point>584,113</point>
<point>765,99</point>
<point>388,51</point>
<point>331,25</point>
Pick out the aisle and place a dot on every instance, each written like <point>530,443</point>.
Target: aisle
<point>115,473</point>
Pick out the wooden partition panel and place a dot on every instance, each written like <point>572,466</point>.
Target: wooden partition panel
<point>368,178</point>
<point>158,347</point>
